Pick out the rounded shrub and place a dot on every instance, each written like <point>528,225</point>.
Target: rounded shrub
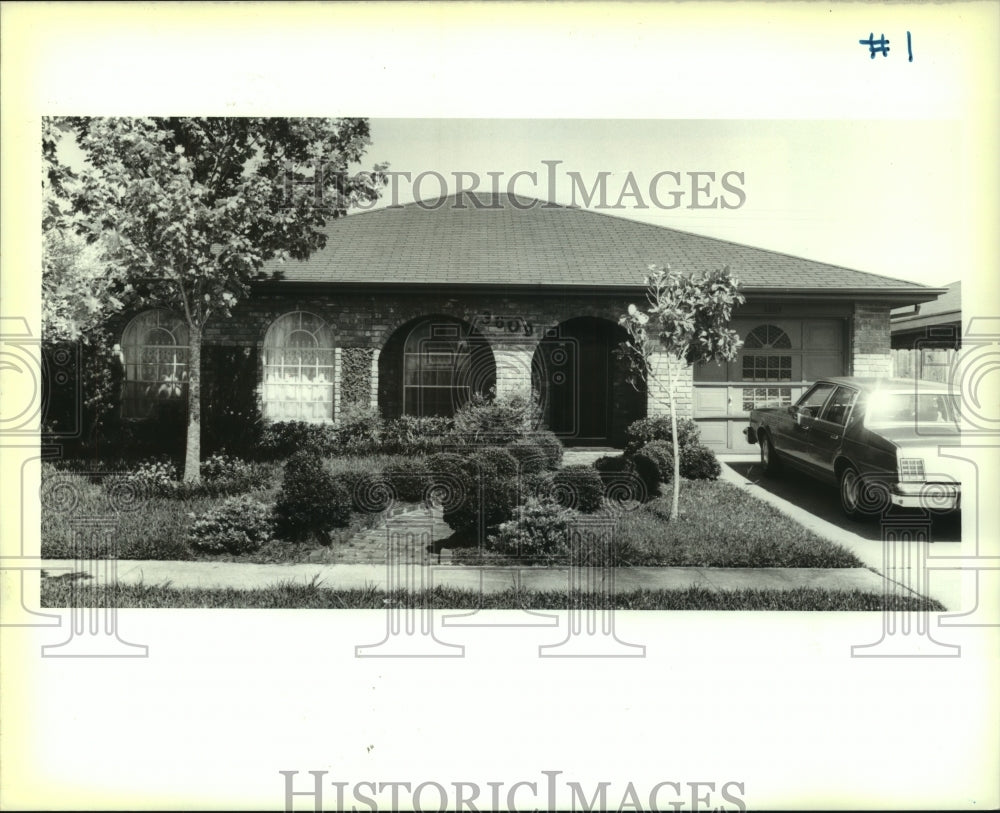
<point>648,471</point>
<point>549,445</point>
<point>530,456</point>
<point>661,453</point>
<point>699,463</point>
<point>494,420</point>
<point>488,498</point>
<point>536,533</point>
<point>578,487</point>
<point>620,479</point>
<point>647,430</point>
<point>311,501</point>
<point>500,460</point>
<point>410,479</point>
<point>237,525</point>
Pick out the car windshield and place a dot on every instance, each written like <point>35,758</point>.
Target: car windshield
<point>911,408</point>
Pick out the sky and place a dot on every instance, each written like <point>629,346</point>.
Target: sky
<point>884,196</point>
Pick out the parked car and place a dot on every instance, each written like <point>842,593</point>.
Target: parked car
<point>877,439</point>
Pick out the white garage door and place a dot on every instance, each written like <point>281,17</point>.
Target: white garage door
<point>779,359</point>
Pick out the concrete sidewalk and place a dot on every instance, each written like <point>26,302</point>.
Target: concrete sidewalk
<point>242,576</point>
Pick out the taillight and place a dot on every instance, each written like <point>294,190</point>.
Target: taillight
<point>911,469</point>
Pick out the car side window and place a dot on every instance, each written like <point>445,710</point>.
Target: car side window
<point>839,406</point>
<point>812,402</point>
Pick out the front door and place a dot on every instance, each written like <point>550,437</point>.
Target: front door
<point>576,367</point>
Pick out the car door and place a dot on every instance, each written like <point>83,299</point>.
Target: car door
<point>826,432</point>
<point>796,443</point>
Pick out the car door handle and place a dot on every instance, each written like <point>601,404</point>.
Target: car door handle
<point>834,437</point>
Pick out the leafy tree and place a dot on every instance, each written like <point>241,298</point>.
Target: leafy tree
<point>687,315</point>
<point>81,282</point>
<point>192,208</point>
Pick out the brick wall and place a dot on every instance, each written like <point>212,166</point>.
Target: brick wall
<point>683,377</point>
<point>870,341</point>
<point>512,325</point>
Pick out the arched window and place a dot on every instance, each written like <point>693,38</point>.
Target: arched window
<point>442,366</point>
<point>768,336</point>
<point>298,369</point>
<point>155,349</point>
<point>765,364</point>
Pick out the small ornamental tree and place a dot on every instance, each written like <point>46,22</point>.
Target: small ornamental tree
<point>192,208</point>
<point>687,315</point>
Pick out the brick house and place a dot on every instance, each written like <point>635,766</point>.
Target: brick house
<point>412,308</point>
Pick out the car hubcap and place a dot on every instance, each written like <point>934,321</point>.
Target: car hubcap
<point>765,454</point>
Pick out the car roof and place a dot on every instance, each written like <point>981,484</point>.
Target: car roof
<point>909,385</point>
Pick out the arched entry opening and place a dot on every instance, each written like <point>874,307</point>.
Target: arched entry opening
<point>433,365</point>
<point>585,395</point>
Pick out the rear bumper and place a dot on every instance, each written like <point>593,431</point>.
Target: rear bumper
<point>929,496</point>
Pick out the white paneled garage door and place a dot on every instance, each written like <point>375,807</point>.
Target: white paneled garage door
<point>779,358</point>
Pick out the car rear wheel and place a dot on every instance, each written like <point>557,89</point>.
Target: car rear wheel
<point>769,462</point>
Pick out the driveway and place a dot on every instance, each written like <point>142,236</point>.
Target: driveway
<point>817,507</point>
<point>823,502</point>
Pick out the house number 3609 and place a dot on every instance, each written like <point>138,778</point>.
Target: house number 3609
<point>512,324</point>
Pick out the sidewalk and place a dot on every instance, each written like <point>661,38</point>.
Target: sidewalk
<point>240,576</point>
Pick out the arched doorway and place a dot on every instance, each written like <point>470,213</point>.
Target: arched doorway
<point>585,395</point>
<point>433,365</point>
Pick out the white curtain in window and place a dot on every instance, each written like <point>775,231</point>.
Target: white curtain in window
<point>298,369</point>
<point>156,348</point>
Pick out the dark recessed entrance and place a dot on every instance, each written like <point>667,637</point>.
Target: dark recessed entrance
<point>585,398</point>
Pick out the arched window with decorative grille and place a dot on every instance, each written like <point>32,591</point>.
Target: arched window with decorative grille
<point>767,363</point>
<point>298,369</point>
<point>443,365</point>
<point>155,349</point>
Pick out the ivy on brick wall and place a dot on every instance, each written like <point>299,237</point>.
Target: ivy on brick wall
<point>355,375</point>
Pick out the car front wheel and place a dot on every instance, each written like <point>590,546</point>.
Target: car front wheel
<point>769,462</point>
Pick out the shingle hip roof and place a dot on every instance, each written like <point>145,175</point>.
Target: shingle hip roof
<point>522,242</point>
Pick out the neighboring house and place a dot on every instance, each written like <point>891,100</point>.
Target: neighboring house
<point>934,324</point>
<point>413,308</point>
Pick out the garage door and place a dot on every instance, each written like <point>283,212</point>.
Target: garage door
<point>778,360</point>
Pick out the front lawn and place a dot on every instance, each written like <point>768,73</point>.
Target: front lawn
<point>720,525</point>
<point>59,592</point>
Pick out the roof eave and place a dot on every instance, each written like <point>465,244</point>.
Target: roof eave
<point>902,296</point>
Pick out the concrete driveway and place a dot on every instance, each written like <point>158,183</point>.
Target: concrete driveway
<point>817,507</point>
<point>823,501</point>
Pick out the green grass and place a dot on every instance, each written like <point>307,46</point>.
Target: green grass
<point>61,592</point>
<point>158,528</point>
<point>720,525</point>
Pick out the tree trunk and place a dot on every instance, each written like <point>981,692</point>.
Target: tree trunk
<point>192,452</point>
<point>673,431</point>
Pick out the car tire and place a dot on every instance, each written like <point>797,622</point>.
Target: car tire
<point>769,462</point>
<point>861,497</point>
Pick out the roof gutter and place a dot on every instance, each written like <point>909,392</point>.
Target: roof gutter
<point>900,295</point>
